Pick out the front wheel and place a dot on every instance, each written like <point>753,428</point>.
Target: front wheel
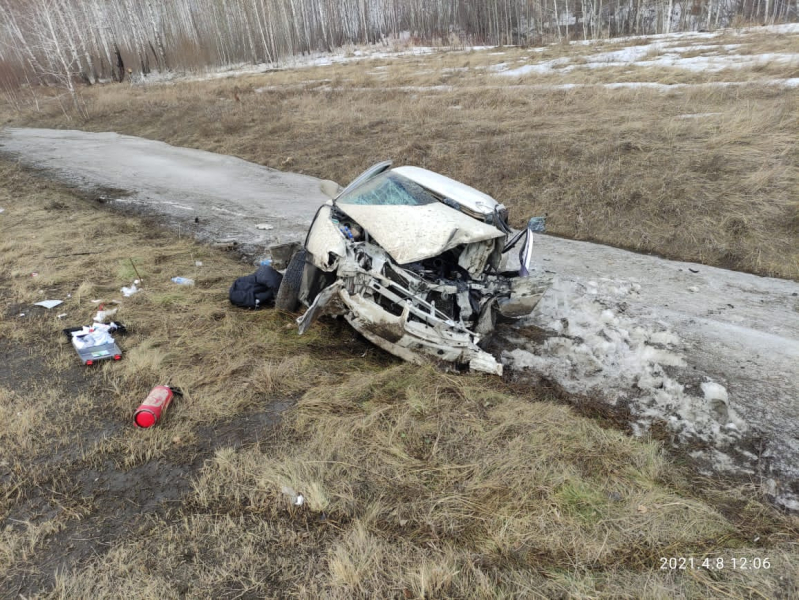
<point>288,295</point>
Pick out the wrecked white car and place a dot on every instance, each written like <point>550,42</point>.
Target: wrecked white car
<point>414,262</point>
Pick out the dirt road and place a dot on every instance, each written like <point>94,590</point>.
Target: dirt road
<point>713,354</point>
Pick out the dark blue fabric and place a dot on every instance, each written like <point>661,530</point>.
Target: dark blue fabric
<point>257,290</point>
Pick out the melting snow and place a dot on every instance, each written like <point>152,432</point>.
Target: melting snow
<point>663,50</point>
<point>599,351</point>
<point>635,55</point>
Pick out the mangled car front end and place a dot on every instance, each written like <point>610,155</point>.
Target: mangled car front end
<point>413,261</point>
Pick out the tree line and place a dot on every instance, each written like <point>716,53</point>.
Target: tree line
<point>66,41</point>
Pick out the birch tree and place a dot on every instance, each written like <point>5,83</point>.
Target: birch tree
<point>92,37</point>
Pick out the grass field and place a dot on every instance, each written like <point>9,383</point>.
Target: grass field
<point>704,170</point>
<point>416,483</point>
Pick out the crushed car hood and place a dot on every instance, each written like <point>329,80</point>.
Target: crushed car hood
<point>413,233</point>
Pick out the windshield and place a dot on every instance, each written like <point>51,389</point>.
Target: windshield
<point>389,189</point>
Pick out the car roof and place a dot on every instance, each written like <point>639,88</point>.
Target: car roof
<point>442,185</point>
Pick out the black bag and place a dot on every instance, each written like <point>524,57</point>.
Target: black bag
<point>257,290</point>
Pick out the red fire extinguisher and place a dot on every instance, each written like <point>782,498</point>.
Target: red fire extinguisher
<point>155,405</point>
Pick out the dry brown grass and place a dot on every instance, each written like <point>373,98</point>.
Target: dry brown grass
<point>615,166</point>
<point>422,485</point>
<point>417,483</point>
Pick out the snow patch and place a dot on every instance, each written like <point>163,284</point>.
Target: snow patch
<point>664,50</point>
<point>597,350</point>
<point>714,391</point>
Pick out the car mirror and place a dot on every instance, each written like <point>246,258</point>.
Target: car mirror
<point>329,188</point>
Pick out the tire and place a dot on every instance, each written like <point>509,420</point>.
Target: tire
<point>288,294</point>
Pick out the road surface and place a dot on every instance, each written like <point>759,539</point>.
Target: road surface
<point>213,195</point>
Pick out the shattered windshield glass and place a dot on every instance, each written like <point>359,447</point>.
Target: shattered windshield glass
<point>389,189</point>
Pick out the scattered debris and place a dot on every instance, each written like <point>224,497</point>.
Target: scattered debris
<point>198,263</point>
<point>693,270</point>
<point>295,498</point>
<point>2,210</point>
<point>129,291</point>
<point>693,288</point>
<point>90,336</point>
<point>265,226</point>
<point>94,342</point>
<point>48,304</point>
<point>226,243</point>
<point>102,315</point>
<point>35,274</point>
<point>183,281</point>
<point>61,316</point>
<point>21,314</point>
<point>154,406</point>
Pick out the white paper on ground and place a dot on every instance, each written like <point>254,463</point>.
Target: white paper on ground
<point>89,337</point>
<point>49,303</point>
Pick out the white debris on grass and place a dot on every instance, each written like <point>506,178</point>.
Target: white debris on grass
<point>49,303</point>
<point>293,497</point>
<point>129,291</point>
<point>103,315</point>
<point>598,351</point>
<point>91,336</point>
